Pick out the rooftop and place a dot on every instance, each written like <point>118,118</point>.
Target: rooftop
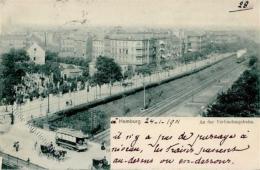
<point>18,36</point>
<point>137,36</point>
<point>71,132</point>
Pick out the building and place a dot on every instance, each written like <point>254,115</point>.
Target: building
<point>16,41</point>
<point>222,38</point>
<point>98,48</point>
<point>130,50</point>
<point>74,44</point>
<point>195,42</point>
<point>70,71</point>
<point>36,54</point>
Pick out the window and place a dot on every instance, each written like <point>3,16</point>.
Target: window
<point>34,49</point>
<point>126,51</point>
<point>34,58</point>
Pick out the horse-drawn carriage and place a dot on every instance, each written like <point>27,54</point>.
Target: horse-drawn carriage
<point>50,151</point>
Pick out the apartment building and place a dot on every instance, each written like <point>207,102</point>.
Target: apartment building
<point>195,42</point>
<point>17,41</point>
<point>98,48</point>
<point>130,49</point>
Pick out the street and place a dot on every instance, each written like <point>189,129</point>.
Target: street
<point>75,160</point>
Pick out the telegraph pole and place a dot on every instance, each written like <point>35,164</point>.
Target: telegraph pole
<point>12,116</point>
<point>48,93</point>
<point>144,93</point>
<point>48,109</point>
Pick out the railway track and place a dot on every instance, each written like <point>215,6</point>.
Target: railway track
<point>170,102</point>
<point>182,93</point>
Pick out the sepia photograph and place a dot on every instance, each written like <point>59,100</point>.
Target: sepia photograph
<point>68,66</point>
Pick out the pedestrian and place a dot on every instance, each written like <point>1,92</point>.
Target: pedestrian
<point>103,146</point>
<point>17,147</point>
<point>15,143</point>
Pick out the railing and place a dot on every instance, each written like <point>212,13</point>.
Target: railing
<point>18,163</point>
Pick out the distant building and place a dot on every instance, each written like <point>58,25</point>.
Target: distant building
<point>45,39</point>
<point>36,54</point>
<point>223,38</point>
<point>98,48</point>
<point>195,43</point>
<point>74,45</point>
<point>132,50</point>
<point>16,41</point>
<point>70,71</point>
<point>92,67</point>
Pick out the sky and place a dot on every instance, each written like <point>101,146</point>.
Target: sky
<point>159,13</point>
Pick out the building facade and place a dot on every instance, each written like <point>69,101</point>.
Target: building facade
<point>73,44</point>
<point>16,41</point>
<point>223,38</point>
<point>70,71</point>
<point>98,48</point>
<point>36,54</point>
<point>131,50</point>
<point>196,43</point>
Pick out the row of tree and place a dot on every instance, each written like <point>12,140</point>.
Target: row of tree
<point>54,57</point>
<point>215,48</point>
<point>16,63</point>
<point>242,99</point>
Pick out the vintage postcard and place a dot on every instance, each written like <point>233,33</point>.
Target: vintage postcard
<point>129,84</point>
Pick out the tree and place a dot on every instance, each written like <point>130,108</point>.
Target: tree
<point>107,71</point>
<point>51,56</point>
<point>12,73</point>
<point>240,100</point>
<point>252,61</point>
<point>51,68</point>
<point>144,70</point>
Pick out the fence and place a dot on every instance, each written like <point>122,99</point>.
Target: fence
<point>18,163</point>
